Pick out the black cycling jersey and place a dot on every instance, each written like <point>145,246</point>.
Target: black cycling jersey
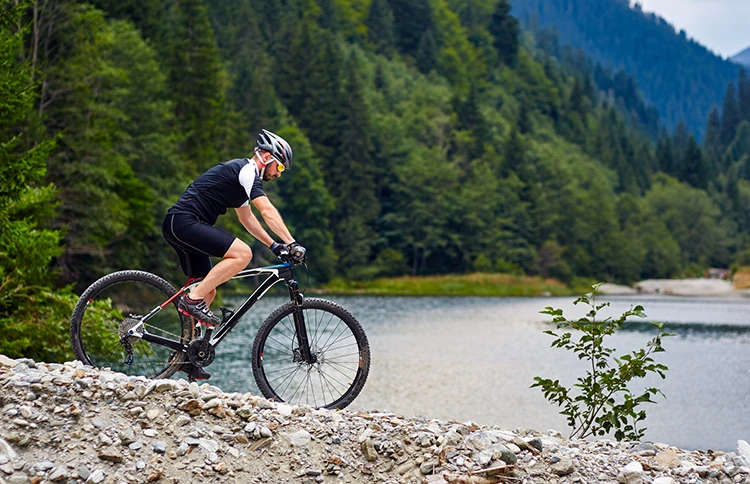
<point>220,188</point>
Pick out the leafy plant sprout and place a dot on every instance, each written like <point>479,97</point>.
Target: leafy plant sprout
<point>601,401</point>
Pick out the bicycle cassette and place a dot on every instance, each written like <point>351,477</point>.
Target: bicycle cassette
<point>201,353</point>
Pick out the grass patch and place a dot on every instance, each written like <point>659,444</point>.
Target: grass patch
<point>477,284</point>
<point>741,278</point>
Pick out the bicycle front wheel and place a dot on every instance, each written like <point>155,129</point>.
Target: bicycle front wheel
<point>339,347</point>
<point>115,304</point>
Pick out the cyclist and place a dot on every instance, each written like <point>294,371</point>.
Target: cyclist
<point>189,225</point>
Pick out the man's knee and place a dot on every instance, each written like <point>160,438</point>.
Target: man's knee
<point>241,251</point>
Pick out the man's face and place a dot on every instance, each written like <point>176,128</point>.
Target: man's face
<point>272,168</point>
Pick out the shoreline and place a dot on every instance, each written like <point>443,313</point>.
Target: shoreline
<point>503,285</point>
<point>72,423</point>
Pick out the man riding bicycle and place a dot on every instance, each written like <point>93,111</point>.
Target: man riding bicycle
<point>189,225</point>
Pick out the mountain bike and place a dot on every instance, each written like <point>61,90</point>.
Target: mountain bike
<point>308,351</point>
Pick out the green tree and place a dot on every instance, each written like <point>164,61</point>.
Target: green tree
<point>380,30</point>
<point>33,317</point>
<point>351,181</point>
<point>730,116</point>
<point>712,141</point>
<point>196,84</point>
<point>504,30</point>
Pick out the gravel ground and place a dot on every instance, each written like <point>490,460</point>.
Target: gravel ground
<point>70,423</point>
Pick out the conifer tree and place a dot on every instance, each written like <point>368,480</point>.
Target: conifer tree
<point>350,180</point>
<point>380,29</point>
<point>712,140</point>
<point>744,94</point>
<point>504,30</point>
<point>195,80</point>
<point>411,19</point>
<point>427,52</point>
<point>694,168</point>
<point>32,317</point>
<point>730,116</point>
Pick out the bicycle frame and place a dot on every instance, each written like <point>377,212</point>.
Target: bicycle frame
<point>275,273</point>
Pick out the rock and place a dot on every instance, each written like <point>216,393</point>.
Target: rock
<point>479,440</point>
<point>110,454</point>
<point>503,453</point>
<point>150,433</point>
<point>631,474</point>
<point>127,436</point>
<point>300,439</point>
<point>743,450</point>
<point>668,459</point>
<point>96,477</point>
<point>83,472</point>
<point>8,362</point>
<point>368,450</point>
<point>563,467</point>
<point>6,449</point>
<point>44,466</point>
<point>663,480</point>
<point>58,474</point>
<point>99,423</point>
<point>159,447</point>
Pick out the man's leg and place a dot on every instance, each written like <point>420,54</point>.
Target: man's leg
<point>236,258</point>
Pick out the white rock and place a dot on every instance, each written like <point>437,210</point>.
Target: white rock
<point>6,449</point>
<point>743,449</point>
<point>9,362</point>
<point>664,480</point>
<point>300,439</point>
<point>631,474</point>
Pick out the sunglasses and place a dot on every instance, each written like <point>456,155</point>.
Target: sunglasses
<point>279,165</point>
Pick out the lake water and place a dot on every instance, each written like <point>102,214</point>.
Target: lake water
<point>475,359</point>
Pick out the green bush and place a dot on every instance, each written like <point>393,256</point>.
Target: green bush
<point>601,402</point>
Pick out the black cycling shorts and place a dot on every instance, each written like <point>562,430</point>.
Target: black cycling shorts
<point>195,242</point>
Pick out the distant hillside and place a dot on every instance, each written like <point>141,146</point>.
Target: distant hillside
<point>680,77</point>
<point>742,58</point>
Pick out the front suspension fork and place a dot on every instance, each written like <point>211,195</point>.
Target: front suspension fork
<point>299,324</point>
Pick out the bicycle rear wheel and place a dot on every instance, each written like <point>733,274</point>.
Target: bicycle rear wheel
<point>113,305</point>
<point>338,343</point>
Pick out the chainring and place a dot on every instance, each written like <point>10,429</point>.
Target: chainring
<point>201,353</point>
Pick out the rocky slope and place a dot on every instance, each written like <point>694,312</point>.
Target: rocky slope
<point>70,423</point>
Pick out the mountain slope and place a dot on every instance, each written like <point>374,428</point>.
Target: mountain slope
<point>682,78</point>
<point>742,58</point>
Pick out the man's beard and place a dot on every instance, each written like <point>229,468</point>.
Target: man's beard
<point>266,177</point>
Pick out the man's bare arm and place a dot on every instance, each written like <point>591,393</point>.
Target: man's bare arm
<point>273,219</point>
<point>251,224</point>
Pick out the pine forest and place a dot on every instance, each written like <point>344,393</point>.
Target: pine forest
<point>429,136</point>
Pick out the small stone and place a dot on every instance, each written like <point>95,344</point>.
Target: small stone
<point>44,466</point>
<point>135,445</point>
<point>668,459</point>
<point>664,480</point>
<point>479,440</point>
<point>150,433</point>
<point>58,474</point>
<point>127,436</point>
<point>183,449</point>
<point>631,474</point>
<point>563,467</point>
<point>536,443</point>
<point>182,420</point>
<point>96,477</point>
<point>83,472</point>
<point>300,439</point>
<point>313,472</point>
<point>111,454</point>
<point>8,362</point>
<point>503,453</point>
<point>159,447</point>
<point>18,479</point>
<point>368,449</point>
<point>153,414</point>
<point>99,423</point>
